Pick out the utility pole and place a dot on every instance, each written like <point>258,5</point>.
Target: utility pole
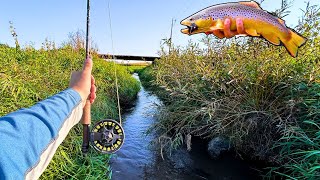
<point>170,39</point>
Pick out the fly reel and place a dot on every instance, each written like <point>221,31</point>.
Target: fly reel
<point>107,136</point>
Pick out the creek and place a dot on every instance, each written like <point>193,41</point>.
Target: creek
<point>138,160</point>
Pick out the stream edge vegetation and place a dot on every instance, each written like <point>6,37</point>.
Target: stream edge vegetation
<point>266,102</point>
<point>29,75</point>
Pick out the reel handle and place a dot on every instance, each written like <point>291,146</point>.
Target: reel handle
<point>86,121</point>
<point>86,116</point>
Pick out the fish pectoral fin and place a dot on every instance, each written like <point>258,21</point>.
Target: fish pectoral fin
<point>217,25</point>
<point>252,32</point>
<point>251,4</point>
<point>216,28</point>
<point>272,38</point>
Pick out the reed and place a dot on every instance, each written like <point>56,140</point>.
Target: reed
<point>252,92</point>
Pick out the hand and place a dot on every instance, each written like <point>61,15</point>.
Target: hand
<point>83,82</point>
<point>226,31</point>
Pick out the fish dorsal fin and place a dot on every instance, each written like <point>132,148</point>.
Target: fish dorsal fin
<point>281,21</point>
<point>251,4</point>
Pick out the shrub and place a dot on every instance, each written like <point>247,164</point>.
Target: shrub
<point>249,91</point>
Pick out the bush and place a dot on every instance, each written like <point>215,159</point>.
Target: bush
<point>249,91</point>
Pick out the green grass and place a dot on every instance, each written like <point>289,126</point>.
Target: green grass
<point>300,145</point>
<point>265,101</point>
<point>28,75</point>
<point>134,69</point>
<point>146,77</point>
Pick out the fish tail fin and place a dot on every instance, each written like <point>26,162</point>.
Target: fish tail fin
<point>292,45</point>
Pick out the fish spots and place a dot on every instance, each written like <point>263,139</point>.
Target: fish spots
<point>234,10</point>
<point>257,21</point>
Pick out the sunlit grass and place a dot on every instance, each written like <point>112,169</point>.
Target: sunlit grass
<point>29,75</point>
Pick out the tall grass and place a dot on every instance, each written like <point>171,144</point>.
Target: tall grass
<point>300,144</point>
<point>28,75</point>
<point>265,101</point>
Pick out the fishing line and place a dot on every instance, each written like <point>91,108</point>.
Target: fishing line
<point>114,63</point>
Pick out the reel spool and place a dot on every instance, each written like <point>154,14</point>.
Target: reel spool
<point>107,136</point>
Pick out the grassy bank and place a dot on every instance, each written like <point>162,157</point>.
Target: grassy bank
<point>28,75</point>
<point>134,69</point>
<point>254,93</point>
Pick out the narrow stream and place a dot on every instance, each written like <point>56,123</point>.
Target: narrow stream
<point>136,160</point>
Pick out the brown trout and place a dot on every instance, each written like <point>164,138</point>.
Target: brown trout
<point>256,22</point>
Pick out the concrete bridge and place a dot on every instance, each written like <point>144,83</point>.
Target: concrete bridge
<point>129,59</point>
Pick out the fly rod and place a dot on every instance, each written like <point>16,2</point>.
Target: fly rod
<point>107,136</point>
<point>86,117</point>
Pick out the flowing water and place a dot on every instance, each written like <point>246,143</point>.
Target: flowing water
<point>137,160</point>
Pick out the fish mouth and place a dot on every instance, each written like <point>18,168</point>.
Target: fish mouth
<point>191,27</point>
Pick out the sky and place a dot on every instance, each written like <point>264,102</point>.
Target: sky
<point>137,25</point>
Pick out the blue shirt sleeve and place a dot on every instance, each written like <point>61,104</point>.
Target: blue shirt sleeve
<point>26,133</point>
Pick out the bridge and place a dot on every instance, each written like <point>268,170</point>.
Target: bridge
<point>129,59</point>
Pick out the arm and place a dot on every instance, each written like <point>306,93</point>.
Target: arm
<point>30,137</point>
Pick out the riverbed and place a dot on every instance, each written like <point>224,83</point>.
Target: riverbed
<point>137,159</point>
